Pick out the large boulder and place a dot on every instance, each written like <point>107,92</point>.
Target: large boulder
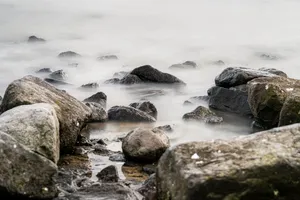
<point>25,173</point>
<point>144,145</point>
<point>234,99</point>
<point>128,114</point>
<point>149,74</point>
<point>203,114</point>
<point>35,126</point>
<point>99,98</point>
<point>233,76</point>
<point>262,166</point>
<point>290,112</point>
<point>72,114</point>
<point>146,107</point>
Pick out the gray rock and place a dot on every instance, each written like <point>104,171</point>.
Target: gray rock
<point>25,173</point>
<point>196,100</point>
<point>130,79</point>
<point>185,65</point>
<point>219,62</point>
<point>120,75</point>
<point>260,166</point>
<point>109,174</point>
<point>45,70</point>
<point>99,98</point>
<point>55,82</point>
<point>34,39</point>
<point>98,112</point>
<point>274,71</point>
<point>148,189</point>
<point>72,114</point>
<point>146,107</point>
<point>203,114</point>
<point>59,75</point>
<point>165,128</point>
<point>108,57</point>
<point>119,157</point>
<point>129,114</point>
<point>266,56</point>
<point>149,74</point>
<point>143,145</point>
<point>112,81</point>
<point>68,54</point>
<point>90,85</point>
<point>35,126</point>
<point>290,110</point>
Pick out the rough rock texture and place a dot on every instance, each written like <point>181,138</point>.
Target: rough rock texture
<point>130,114</point>
<point>233,76</point>
<point>290,112</point>
<point>148,189</point>
<point>274,71</point>
<point>263,166</point>
<point>72,114</point>
<point>99,98</point>
<point>59,75</point>
<point>34,39</point>
<point>144,145</point>
<point>98,112</point>
<point>109,174</point>
<point>146,107</point>
<point>233,100</point>
<point>267,96</point>
<point>35,126</point>
<point>185,65</point>
<point>203,114</point>
<point>69,54</point>
<point>23,172</point>
<point>130,79</point>
<point>149,74</point>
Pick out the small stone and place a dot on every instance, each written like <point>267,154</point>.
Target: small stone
<point>108,174</point>
<point>34,39</point>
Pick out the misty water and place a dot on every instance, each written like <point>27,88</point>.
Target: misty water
<point>155,32</point>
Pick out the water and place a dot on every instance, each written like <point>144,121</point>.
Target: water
<point>155,32</point>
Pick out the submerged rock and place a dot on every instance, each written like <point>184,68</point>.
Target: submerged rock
<point>146,107</point>
<point>112,81</point>
<point>45,70</point>
<point>143,145</point>
<point>59,75</point>
<point>260,166</point>
<point>185,65</point>
<point>148,189</point>
<point>55,82</point>
<point>108,57</point>
<point>90,85</point>
<point>129,114</point>
<point>68,54</point>
<point>99,98</point>
<point>203,114</point>
<point>108,174</point>
<point>120,75</point>
<point>34,39</point>
<point>165,128</point>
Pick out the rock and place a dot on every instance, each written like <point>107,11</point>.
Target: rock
<point>267,96</point>
<point>165,128</point>
<point>185,65</point>
<point>99,98</point>
<point>34,39</point>
<point>143,145</point>
<point>148,189</point>
<point>90,85</point>
<point>149,74</point>
<point>25,173</point>
<point>266,56</point>
<point>260,166</point>
<point>196,100</point>
<point>130,79</point>
<point>68,54</point>
<point>289,113</point>
<point>274,71</point>
<point>71,113</point>
<point>130,114</point>
<point>108,174</point>
<point>187,103</point>
<point>35,126</point>
<point>112,81</point>
<point>234,76</point>
<point>219,62</point>
<point>119,157</point>
<point>59,75</point>
<point>149,169</point>
<point>233,100</point>
<point>101,150</point>
<point>108,57</point>
<point>45,70</point>
<point>55,82</point>
<point>120,75</point>
<point>146,107</point>
<point>203,114</point>
<point>98,112</point>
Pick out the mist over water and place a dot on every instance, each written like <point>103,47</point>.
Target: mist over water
<point>155,32</point>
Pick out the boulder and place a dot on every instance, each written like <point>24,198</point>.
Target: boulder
<point>24,173</point>
<point>234,99</point>
<point>203,114</point>
<point>144,145</point>
<point>108,174</point>
<point>146,107</point>
<point>129,114</point>
<point>130,79</point>
<point>99,98</point>
<point>45,70</point>
<point>34,39</point>
<point>290,111</point>
<point>233,76</point>
<point>72,114</point>
<point>261,166</point>
<point>165,128</point>
<point>120,75</point>
<point>185,65</point>
<point>112,81</point>
<point>149,74</point>
<point>274,71</point>
<point>108,57</point>
<point>98,112</point>
<point>68,54</point>
<point>35,126</point>
<point>148,189</point>
<point>90,85</point>
<point>59,75</point>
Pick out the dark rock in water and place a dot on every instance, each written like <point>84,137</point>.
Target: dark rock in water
<point>129,114</point>
<point>119,157</point>
<point>59,75</point>
<point>143,145</point>
<point>108,57</point>
<point>233,100</point>
<point>185,65</point>
<point>203,114</point>
<point>112,81</point>
<point>259,166</point>
<point>99,98</point>
<point>34,39</point>
<point>120,75</point>
<point>72,114</point>
<point>196,100</point>
<point>45,70</point>
<point>108,174</point>
<point>55,82</point>
<point>130,79</point>
<point>24,173</point>
<point>90,85</point>
<point>165,128</point>
<point>266,56</point>
<point>234,76</point>
<point>148,189</point>
<point>68,54</point>
<point>149,168</point>
<point>290,112</point>
<point>98,112</point>
<point>149,74</point>
<point>146,107</point>
<point>101,150</point>
<point>187,102</point>
<point>219,62</point>
<point>274,71</point>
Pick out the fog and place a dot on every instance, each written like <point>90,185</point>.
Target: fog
<point>155,32</point>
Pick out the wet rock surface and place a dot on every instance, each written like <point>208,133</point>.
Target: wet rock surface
<point>129,114</point>
<point>260,166</point>
<point>99,98</point>
<point>98,112</point>
<point>203,114</point>
<point>108,174</point>
<point>146,107</point>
